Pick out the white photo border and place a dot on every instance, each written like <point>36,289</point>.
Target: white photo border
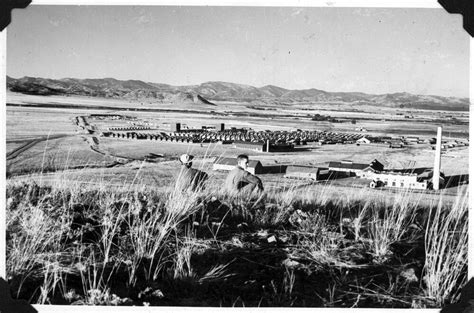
<point>251,3</point>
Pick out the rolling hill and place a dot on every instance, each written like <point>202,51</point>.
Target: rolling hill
<point>207,92</point>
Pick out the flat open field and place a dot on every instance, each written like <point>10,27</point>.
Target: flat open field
<point>31,123</point>
<point>382,120</point>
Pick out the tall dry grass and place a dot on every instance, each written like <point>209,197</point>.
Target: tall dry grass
<point>43,243</point>
<point>95,231</point>
<point>389,221</point>
<point>446,242</point>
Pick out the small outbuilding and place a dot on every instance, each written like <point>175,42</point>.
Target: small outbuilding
<point>364,140</point>
<point>396,145</point>
<point>304,172</point>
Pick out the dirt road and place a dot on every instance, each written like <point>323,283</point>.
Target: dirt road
<point>16,152</point>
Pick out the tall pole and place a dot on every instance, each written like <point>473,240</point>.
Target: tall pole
<point>437,160</point>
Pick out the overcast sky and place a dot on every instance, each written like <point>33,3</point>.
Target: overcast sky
<point>422,51</point>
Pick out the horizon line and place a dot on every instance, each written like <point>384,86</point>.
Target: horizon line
<point>244,84</point>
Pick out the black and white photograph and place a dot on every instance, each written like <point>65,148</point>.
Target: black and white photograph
<point>236,156</point>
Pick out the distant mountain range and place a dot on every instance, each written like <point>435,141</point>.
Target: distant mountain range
<point>220,91</point>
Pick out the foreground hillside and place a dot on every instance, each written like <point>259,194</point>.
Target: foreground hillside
<point>79,244</point>
<point>224,91</point>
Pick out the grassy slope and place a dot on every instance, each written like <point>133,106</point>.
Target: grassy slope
<point>293,247</point>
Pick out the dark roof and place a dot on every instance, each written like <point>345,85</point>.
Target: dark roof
<point>238,142</point>
<point>302,169</point>
<point>376,165</point>
<point>421,172</point>
<point>417,171</point>
<point>352,166</point>
<point>233,161</point>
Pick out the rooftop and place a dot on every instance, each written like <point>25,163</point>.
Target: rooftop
<point>302,169</point>
<point>347,164</point>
